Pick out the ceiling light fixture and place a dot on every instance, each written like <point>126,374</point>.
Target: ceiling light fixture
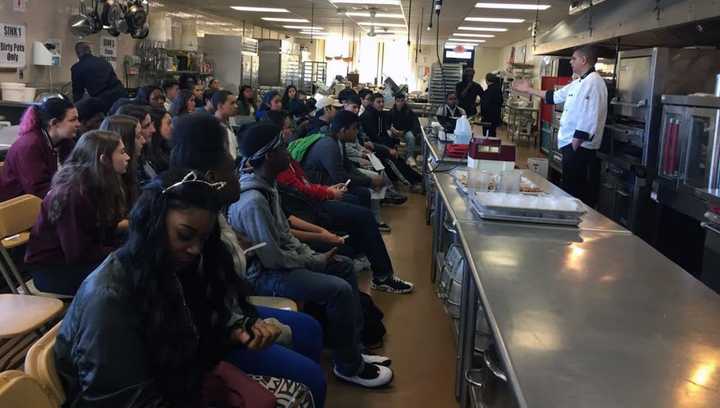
<point>305,28</point>
<point>260,9</point>
<point>465,40</point>
<point>313,33</point>
<point>366,23</point>
<point>378,15</point>
<point>493,29</point>
<point>513,6</point>
<point>495,20</point>
<point>375,2</point>
<point>474,35</point>
<point>286,20</point>
<point>453,45</point>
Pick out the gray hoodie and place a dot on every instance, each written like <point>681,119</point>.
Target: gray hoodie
<point>259,216</point>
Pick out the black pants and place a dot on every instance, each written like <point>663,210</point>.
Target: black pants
<point>365,237</point>
<point>60,279</point>
<point>580,175</point>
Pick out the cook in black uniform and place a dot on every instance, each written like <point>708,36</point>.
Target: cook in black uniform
<point>96,76</point>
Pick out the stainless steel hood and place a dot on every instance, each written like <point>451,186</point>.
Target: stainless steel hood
<point>636,24</point>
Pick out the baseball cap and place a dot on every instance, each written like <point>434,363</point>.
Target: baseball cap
<point>327,101</point>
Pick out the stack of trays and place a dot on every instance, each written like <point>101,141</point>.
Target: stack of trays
<point>541,209</point>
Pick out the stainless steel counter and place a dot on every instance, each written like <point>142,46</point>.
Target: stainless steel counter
<point>604,322</point>
<point>584,317</point>
<point>460,209</point>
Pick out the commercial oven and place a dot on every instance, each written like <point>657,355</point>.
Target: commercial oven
<point>631,141</point>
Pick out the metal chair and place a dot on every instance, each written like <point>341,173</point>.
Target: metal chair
<point>17,217</point>
<point>40,364</point>
<point>19,390</point>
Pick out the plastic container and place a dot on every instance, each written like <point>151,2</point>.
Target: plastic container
<point>538,165</point>
<point>13,91</point>
<point>29,95</point>
<point>463,131</point>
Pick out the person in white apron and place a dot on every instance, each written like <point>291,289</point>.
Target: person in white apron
<point>582,122</point>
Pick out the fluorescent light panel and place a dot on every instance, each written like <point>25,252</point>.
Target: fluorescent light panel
<point>513,6</point>
<point>474,35</point>
<point>383,2</point>
<point>453,45</point>
<point>260,9</point>
<point>305,28</point>
<point>366,23</point>
<point>464,40</point>
<point>493,29</point>
<point>495,20</point>
<point>313,33</point>
<point>286,20</point>
<point>378,15</point>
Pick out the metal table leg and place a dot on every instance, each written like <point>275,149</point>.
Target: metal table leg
<point>466,346</point>
<point>438,233</point>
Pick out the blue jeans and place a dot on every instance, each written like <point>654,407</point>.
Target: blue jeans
<point>298,364</point>
<point>365,237</point>
<point>411,144</point>
<point>337,289</point>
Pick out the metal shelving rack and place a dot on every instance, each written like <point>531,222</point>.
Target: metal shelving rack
<point>312,72</point>
<point>442,81</point>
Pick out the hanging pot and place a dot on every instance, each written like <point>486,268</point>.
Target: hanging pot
<point>113,18</point>
<point>339,57</point>
<point>142,33</point>
<point>348,59</point>
<point>80,25</point>
<point>95,20</point>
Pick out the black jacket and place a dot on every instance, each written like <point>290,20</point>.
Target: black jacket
<point>326,163</point>
<point>375,124</point>
<point>467,94</point>
<point>404,119</point>
<point>491,101</point>
<point>102,353</point>
<point>95,75</point>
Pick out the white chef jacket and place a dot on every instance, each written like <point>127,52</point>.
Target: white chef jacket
<point>585,110</point>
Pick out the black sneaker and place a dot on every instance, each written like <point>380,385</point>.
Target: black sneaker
<point>392,284</point>
<point>371,376</point>
<point>377,360</point>
<point>394,199</point>
<point>384,227</point>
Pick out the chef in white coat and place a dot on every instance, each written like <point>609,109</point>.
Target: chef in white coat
<point>582,122</point>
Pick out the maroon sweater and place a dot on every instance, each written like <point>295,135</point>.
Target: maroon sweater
<point>74,239</point>
<point>29,167</point>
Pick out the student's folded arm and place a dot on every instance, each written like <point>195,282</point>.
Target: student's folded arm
<point>34,172</point>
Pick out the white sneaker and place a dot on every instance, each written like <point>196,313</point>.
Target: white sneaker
<point>376,359</point>
<point>411,162</point>
<point>371,376</point>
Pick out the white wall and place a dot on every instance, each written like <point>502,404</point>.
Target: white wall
<point>487,59</point>
<point>46,19</point>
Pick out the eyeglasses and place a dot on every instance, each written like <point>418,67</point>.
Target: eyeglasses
<point>192,177</point>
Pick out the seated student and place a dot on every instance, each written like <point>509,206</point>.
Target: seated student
<point>356,220</point>
<point>197,90</point>
<point>142,114</point>
<point>32,160</point>
<point>151,326</point>
<point>323,158</point>
<point>76,227</point>
<point>155,157</point>
<point>286,267</point>
<point>90,114</point>
<point>326,110</point>
<point>376,124</point>
<point>209,156</point>
<point>183,104</point>
<point>404,126</point>
<point>224,104</point>
<point>149,95</point>
<point>170,89</point>
<point>207,106</point>
<point>451,109</point>
<point>130,132</point>
<point>291,102</point>
<point>246,101</point>
<point>271,101</point>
